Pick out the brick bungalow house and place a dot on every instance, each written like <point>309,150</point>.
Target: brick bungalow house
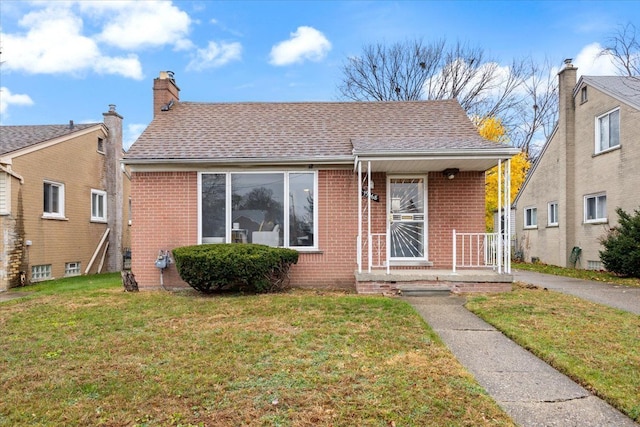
<point>61,189</point>
<point>587,168</point>
<point>369,193</point>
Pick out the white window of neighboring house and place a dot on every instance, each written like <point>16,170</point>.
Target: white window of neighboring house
<point>530,217</point>
<point>98,205</point>
<point>552,218</point>
<point>40,272</point>
<point>72,268</point>
<point>583,95</point>
<point>53,200</point>
<point>271,208</point>
<point>595,208</point>
<point>608,131</point>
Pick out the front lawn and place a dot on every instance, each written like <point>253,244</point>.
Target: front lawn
<point>597,346</point>
<point>82,352</point>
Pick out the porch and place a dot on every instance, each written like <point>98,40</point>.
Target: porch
<point>423,233</point>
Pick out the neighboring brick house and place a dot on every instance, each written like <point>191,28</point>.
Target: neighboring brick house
<point>61,188</point>
<point>296,175</point>
<point>589,166</point>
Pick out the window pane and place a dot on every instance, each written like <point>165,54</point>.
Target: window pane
<point>534,215</point>
<point>47,198</point>
<point>614,129</point>
<point>54,199</point>
<point>601,207</point>
<point>301,209</point>
<point>591,208</point>
<point>213,208</point>
<point>604,132</point>
<point>257,206</point>
<point>100,198</point>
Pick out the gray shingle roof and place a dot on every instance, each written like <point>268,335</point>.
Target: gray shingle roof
<point>13,138</point>
<point>297,131</point>
<point>624,88</point>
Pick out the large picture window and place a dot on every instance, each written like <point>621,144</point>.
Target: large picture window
<point>608,131</point>
<point>270,208</point>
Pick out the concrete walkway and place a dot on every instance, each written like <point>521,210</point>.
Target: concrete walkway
<point>530,391</point>
<point>623,297</point>
<point>9,295</point>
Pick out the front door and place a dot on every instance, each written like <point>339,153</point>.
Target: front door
<point>407,224</point>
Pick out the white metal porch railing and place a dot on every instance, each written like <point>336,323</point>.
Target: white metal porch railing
<point>478,250</point>
<point>378,250</point>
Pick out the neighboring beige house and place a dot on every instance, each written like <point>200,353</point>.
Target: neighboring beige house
<point>62,197</point>
<point>589,167</point>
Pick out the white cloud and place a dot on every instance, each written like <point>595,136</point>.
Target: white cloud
<point>306,43</point>
<point>134,25</point>
<point>215,55</point>
<point>131,133</point>
<point>54,43</point>
<point>591,63</point>
<point>7,98</point>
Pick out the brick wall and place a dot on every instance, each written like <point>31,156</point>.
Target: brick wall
<point>164,216</point>
<point>453,204</point>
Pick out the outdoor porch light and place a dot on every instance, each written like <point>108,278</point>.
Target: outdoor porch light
<point>450,173</point>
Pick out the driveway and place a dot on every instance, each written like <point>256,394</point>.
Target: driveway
<point>618,296</point>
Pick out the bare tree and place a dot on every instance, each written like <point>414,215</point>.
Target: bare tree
<point>413,70</point>
<point>624,49</point>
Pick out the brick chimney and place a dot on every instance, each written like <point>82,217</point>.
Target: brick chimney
<point>165,90</point>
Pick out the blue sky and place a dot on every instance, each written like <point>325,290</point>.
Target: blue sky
<point>68,60</point>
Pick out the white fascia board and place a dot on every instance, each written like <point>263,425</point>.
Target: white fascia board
<point>450,154</point>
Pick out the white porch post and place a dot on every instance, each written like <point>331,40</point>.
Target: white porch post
<point>499,213</point>
<point>507,208</point>
<point>359,243</point>
<point>455,261</point>
<point>369,239</point>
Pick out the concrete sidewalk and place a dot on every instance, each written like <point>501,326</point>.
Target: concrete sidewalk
<point>526,388</point>
<point>623,297</point>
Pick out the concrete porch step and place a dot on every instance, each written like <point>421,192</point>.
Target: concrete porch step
<point>423,291</point>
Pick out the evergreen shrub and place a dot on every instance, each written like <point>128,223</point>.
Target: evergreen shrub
<point>235,266</point>
<point>621,254</point>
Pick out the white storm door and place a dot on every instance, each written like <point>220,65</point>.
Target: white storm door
<point>407,218</point>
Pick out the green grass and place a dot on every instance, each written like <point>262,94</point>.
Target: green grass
<point>597,346</point>
<point>82,352</point>
<point>600,276</point>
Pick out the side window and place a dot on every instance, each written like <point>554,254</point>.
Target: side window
<point>595,208</point>
<point>98,205</point>
<point>608,131</point>
<point>530,217</point>
<point>53,200</point>
<point>552,216</point>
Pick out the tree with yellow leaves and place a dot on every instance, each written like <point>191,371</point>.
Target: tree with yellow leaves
<point>492,129</point>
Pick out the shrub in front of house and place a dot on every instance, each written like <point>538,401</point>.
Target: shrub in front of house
<point>244,267</point>
<point>621,254</point>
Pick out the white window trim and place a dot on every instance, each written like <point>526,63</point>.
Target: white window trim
<point>595,220</point>
<point>597,149</point>
<point>530,226</point>
<point>5,193</point>
<point>103,194</point>
<point>549,223</point>
<point>228,209</point>
<point>55,215</point>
